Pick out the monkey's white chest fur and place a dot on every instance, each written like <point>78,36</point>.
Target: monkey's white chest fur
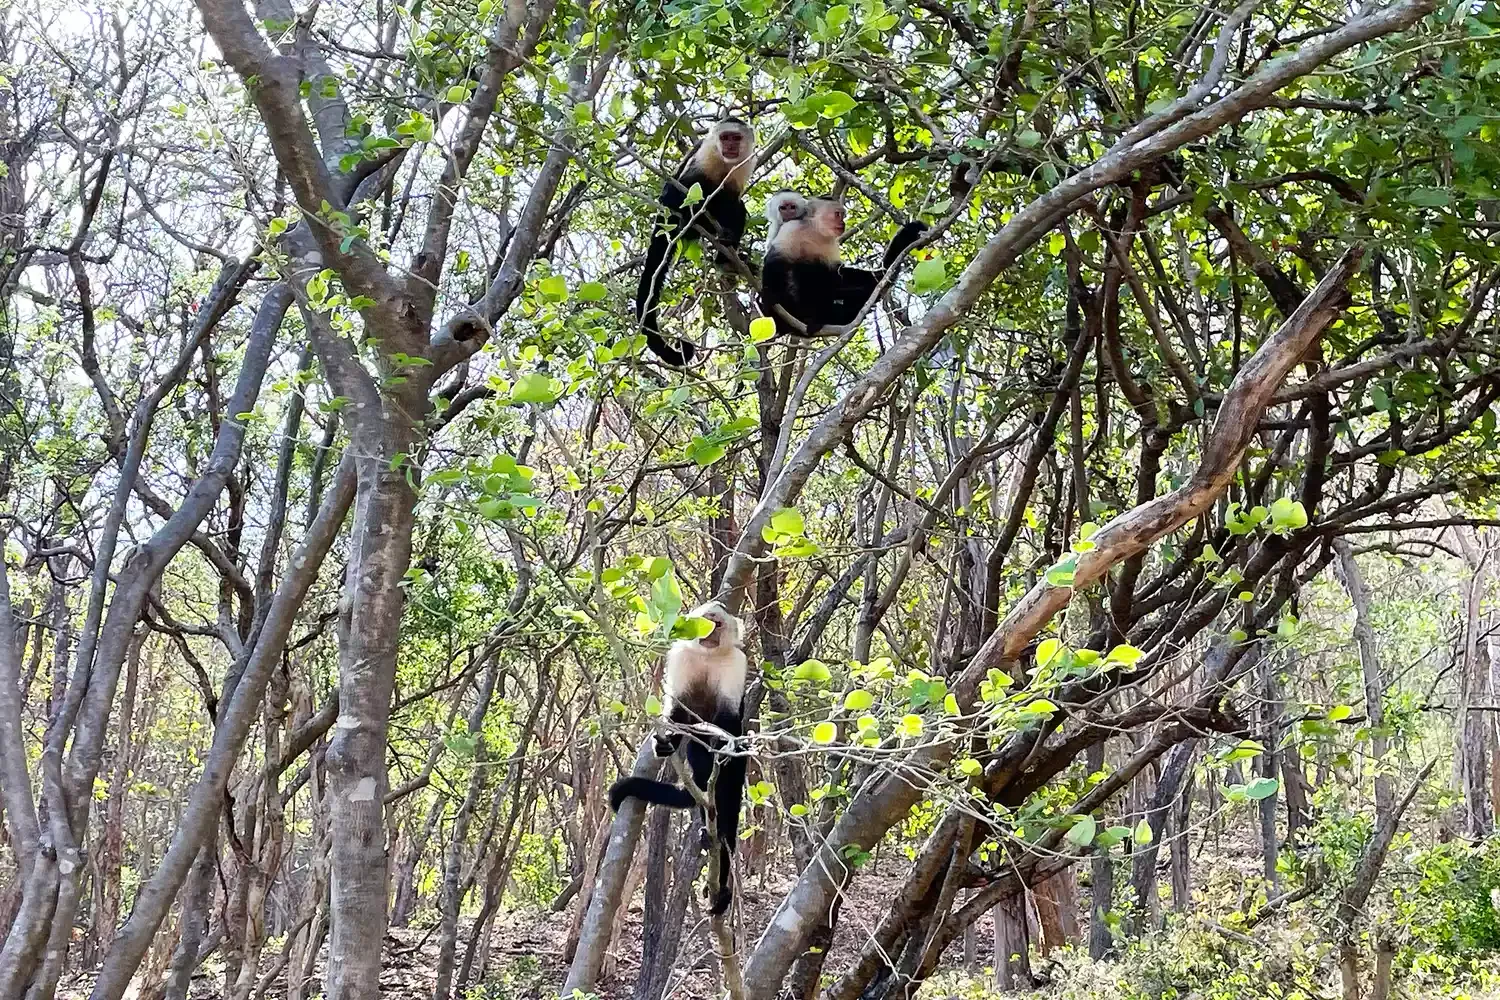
<point>704,680</point>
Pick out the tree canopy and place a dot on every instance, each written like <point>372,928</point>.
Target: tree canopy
<point>346,516</point>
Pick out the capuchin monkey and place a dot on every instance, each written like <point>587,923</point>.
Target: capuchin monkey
<point>720,166</point>
<point>805,274</point>
<point>704,682</point>
<point>781,208</point>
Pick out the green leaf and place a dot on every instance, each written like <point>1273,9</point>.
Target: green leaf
<point>1056,244</point>
<point>1123,654</point>
<point>1046,651</point>
<point>1061,574</point>
<point>1081,833</point>
<point>970,767</point>
<point>762,328</point>
<point>1288,515</point>
<point>911,725</point>
<point>653,705</point>
<point>1143,834</point>
<point>535,388</point>
<point>813,670</point>
<point>929,275</point>
<point>950,705</point>
<point>694,195</point>
<point>835,104</point>
<point>592,291</point>
<point>1029,138</point>
<point>858,700</point>
<point>788,521</point>
<point>553,289</point>
<point>1040,707</point>
<point>457,93</point>
<point>1246,750</point>
<point>1111,836</point>
<point>704,452</point>
<point>1262,788</point>
<point>798,810</point>
<point>836,17</point>
<point>825,732</point>
<point>1339,713</point>
<point>1429,197</point>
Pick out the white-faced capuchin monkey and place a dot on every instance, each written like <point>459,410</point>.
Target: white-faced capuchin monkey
<point>720,166</point>
<point>781,208</point>
<point>804,272</point>
<point>704,682</point>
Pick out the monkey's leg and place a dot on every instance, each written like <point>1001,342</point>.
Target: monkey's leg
<point>728,797</point>
<point>654,276</point>
<point>701,761</point>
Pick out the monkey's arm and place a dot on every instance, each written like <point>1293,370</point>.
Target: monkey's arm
<point>732,218</point>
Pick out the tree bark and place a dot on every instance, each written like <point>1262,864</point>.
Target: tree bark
<point>357,775</point>
<point>112,845</point>
<point>1269,766</point>
<point>1101,879</point>
<point>452,898</point>
<point>1470,757</point>
<point>1143,876</point>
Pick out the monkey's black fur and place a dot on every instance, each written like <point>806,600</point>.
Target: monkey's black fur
<point>821,294</point>
<point>720,216</point>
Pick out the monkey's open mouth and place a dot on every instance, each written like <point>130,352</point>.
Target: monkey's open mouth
<point>733,148</point>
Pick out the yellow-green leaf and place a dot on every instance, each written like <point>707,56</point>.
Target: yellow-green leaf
<point>858,700</point>
<point>762,328</point>
<point>1081,833</point>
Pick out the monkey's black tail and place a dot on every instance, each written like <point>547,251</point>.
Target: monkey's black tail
<point>679,356</point>
<point>902,241</point>
<point>650,790</point>
<point>648,299</point>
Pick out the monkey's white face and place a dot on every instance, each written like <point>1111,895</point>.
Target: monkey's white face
<point>726,626</point>
<point>733,145</point>
<point>829,218</point>
<point>790,207</point>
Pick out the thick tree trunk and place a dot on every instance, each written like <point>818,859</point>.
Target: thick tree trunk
<point>654,907</point>
<point>196,896</point>
<point>357,774</point>
<point>1012,944</point>
<point>1182,879</point>
<point>1057,911</point>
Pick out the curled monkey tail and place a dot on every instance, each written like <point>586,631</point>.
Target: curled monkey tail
<point>650,790</point>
